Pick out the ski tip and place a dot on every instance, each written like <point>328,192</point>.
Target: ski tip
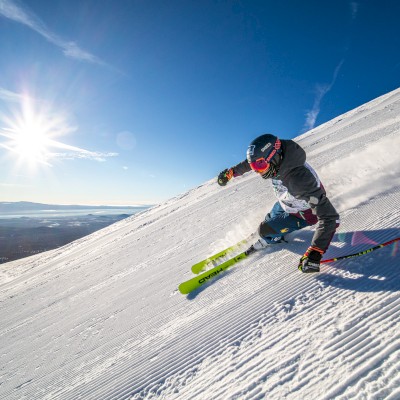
<point>184,288</point>
<point>197,268</point>
<point>182,291</point>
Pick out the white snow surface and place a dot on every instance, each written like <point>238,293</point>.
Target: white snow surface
<point>101,318</point>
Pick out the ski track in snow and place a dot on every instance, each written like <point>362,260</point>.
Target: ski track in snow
<point>101,318</point>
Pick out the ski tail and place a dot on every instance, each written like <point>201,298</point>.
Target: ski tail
<point>198,267</point>
<point>196,282</point>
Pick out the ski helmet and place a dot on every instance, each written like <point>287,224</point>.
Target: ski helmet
<point>264,155</point>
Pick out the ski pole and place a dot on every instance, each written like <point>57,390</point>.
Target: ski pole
<point>361,253</point>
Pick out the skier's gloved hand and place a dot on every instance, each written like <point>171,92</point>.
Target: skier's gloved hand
<point>311,260</point>
<point>225,176</point>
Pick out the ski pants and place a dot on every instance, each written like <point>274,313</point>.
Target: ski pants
<point>277,223</point>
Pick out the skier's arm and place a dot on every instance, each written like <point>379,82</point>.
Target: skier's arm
<point>328,220</point>
<point>241,168</point>
<point>304,186</point>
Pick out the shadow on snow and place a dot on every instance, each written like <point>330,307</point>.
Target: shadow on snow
<point>371,272</point>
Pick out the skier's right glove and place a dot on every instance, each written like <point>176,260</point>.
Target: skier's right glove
<point>225,176</point>
<point>311,260</point>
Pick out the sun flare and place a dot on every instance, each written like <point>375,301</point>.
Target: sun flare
<point>30,134</point>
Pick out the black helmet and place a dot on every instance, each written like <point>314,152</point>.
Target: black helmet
<point>264,155</point>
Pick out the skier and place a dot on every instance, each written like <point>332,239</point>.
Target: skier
<point>301,197</point>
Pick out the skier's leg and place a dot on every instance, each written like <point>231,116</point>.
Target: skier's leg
<point>275,211</point>
<point>277,224</point>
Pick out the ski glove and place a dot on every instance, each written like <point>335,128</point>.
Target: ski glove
<point>225,176</point>
<point>311,260</point>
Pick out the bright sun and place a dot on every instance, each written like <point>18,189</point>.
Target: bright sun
<point>31,144</point>
<point>30,135</point>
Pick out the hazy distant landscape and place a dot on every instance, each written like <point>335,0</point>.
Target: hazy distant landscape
<point>31,228</point>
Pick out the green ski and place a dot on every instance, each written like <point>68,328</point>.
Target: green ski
<point>196,282</point>
<point>198,267</point>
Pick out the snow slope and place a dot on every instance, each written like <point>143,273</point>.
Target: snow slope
<point>101,318</point>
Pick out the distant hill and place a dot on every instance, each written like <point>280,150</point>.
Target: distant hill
<point>30,206</point>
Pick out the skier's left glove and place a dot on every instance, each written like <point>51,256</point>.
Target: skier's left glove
<point>311,260</point>
<point>225,176</point>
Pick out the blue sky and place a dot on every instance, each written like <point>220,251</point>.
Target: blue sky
<point>134,102</point>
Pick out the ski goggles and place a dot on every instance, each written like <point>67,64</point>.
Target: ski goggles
<point>260,165</point>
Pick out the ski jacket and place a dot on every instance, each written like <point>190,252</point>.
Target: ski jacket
<point>300,192</point>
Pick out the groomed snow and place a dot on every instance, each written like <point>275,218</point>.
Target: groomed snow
<point>101,318</point>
